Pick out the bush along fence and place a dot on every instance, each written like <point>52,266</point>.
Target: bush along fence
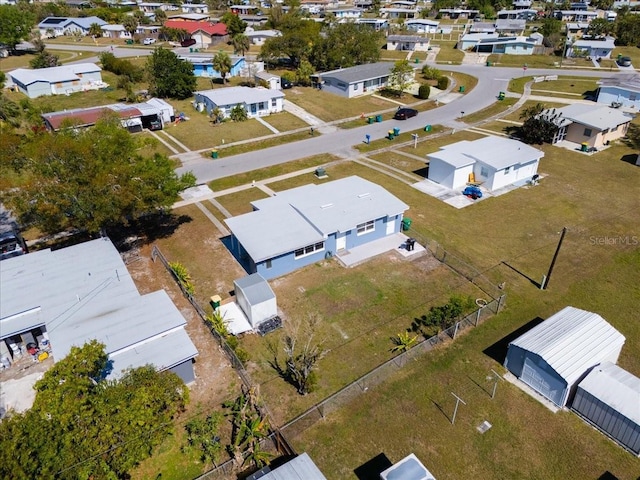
<point>415,349</point>
<point>217,327</point>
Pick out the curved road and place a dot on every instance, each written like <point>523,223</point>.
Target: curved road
<point>491,80</point>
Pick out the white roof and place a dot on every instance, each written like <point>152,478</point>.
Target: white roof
<point>255,288</point>
<point>421,21</point>
<point>476,37</point>
<point>306,215</point>
<point>616,388</point>
<point>496,152</point>
<point>409,468</point>
<point>299,468</point>
<point>607,43</point>
<point>596,116</point>
<point>572,341</point>
<point>236,95</point>
<point>63,73</point>
<point>113,28</point>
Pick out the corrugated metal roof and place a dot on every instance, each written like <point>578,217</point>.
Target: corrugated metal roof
<point>305,215</point>
<point>53,74</point>
<point>360,73</point>
<point>300,468</point>
<point>572,341</point>
<point>255,288</point>
<point>616,388</point>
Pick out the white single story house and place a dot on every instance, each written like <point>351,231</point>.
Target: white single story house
<point>84,292</point>
<point>256,298</point>
<point>609,399</point>
<point>482,27</point>
<point>52,27</point>
<point>355,81</point>
<point>345,12</point>
<point>554,356</point>
<point>258,37</point>
<point>412,43</point>
<point>395,13</point>
<point>494,43</point>
<point>61,80</point>
<point>576,28</point>
<point>510,27</point>
<point>623,89</point>
<point>594,125</point>
<point>115,31</point>
<point>458,13</point>
<point>200,8</point>
<point>377,24</point>
<point>576,15</point>
<point>273,81</point>
<point>520,14</point>
<point>493,162</point>
<point>422,25</point>
<point>304,225</point>
<point>257,102</point>
<point>594,48</point>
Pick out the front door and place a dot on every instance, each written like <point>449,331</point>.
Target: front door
<point>341,241</point>
<point>391,226</point>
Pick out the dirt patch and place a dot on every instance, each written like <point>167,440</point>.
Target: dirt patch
<point>426,263</point>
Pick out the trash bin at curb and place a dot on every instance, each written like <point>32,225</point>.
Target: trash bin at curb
<point>369,119</point>
<point>461,89</point>
<point>378,118</point>
<point>488,63</point>
<point>214,154</point>
<point>396,131</point>
<point>390,135</point>
<point>427,128</point>
<point>501,96</point>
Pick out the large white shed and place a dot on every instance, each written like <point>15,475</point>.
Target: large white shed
<point>555,355</point>
<point>609,398</point>
<point>256,298</point>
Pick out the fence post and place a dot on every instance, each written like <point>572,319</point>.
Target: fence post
<point>499,303</point>
<point>455,331</point>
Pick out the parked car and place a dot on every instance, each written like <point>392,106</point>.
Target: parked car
<point>404,113</point>
<point>188,42</point>
<point>285,83</point>
<point>624,61</point>
<point>472,191</point>
<point>149,41</point>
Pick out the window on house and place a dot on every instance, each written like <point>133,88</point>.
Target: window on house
<point>308,250</point>
<point>274,102</point>
<point>507,170</point>
<point>268,263</point>
<point>484,172</point>
<point>587,132</point>
<point>366,227</point>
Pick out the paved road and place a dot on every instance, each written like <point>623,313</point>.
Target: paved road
<point>490,82</point>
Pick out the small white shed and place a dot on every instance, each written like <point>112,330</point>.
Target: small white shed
<point>256,299</point>
<point>271,80</point>
<point>558,353</point>
<point>409,468</point>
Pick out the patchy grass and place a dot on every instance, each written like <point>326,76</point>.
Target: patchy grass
<point>495,109</point>
<point>462,79</point>
<point>393,55</point>
<point>532,61</point>
<point>22,60</point>
<point>285,121</point>
<point>632,52</point>
<point>433,144</point>
<point>404,136</point>
<point>271,172</point>
<point>152,145</point>
<point>573,87</point>
<point>330,107</point>
<point>421,106</point>
<point>265,143</point>
<point>448,53</point>
<point>239,202</point>
<point>401,162</point>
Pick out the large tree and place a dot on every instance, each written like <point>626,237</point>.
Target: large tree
<point>170,76</point>
<point>15,25</point>
<point>83,426</point>
<point>402,76</point>
<point>539,125</point>
<point>90,179</point>
<point>296,43</point>
<point>234,24</point>
<point>222,64</point>
<point>627,29</point>
<point>346,45</point>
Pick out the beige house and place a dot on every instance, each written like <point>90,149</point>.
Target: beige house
<point>590,125</point>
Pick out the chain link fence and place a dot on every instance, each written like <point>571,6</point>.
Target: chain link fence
<point>389,368</point>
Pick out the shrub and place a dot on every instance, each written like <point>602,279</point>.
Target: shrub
<point>181,273</point>
<point>443,83</point>
<point>430,73</point>
<point>424,91</point>
<point>120,66</point>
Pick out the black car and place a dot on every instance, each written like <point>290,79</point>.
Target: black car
<point>285,83</point>
<point>404,113</point>
<point>188,42</point>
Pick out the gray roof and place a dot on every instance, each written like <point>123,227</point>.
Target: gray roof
<point>606,43</point>
<point>264,75</point>
<point>477,37</point>
<point>236,95</point>
<point>300,468</point>
<point>409,468</point>
<point>627,81</point>
<point>507,40</point>
<point>407,38</point>
<point>306,215</point>
<point>572,341</point>
<point>85,292</point>
<point>63,22</point>
<point>598,117</point>
<point>421,21</point>
<point>360,73</point>
<point>508,24</point>
<point>496,152</point>
<point>616,388</point>
<point>255,288</point>
<point>63,73</point>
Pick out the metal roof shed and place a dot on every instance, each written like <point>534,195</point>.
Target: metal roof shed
<point>609,399</point>
<point>299,468</point>
<point>555,355</point>
<point>409,468</point>
<point>255,298</point>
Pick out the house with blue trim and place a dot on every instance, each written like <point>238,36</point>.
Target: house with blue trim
<point>422,25</point>
<point>592,47</point>
<point>622,89</point>
<point>494,43</point>
<point>52,27</point>
<point>257,102</point>
<point>203,66</point>
<point>301,226</point>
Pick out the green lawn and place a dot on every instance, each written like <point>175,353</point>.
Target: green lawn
<point>448,54</point>
<point>567,87</point>
<point>495,109</point>
<point>284,121</point>
<point>151,145</point>
<point>239,202</point>
<point>631,52</point>
<point>22,61</point>
<point>405,136</point>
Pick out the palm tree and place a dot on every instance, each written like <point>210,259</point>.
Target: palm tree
<point>241,43</point>
<point>222,63</point>
<point>161,16</point>
<point>95,30</point>
<point>130,24</point>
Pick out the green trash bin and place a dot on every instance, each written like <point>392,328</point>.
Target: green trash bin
<point>214,154</point>
<point>461,89</point>
<point>215,301</point>
<point>129,42</point>
<point>584,147</point>
<point>619,56</point>
<point>369,119</point>
<point>488,63</point>
<point>378,118</point>
<point>427,128</point>
<point>396,132</point>
<point>190,49</point>
<point>406,224</point>
<point>417,60</point>
<point>501,96</point>
<point>390,135</point>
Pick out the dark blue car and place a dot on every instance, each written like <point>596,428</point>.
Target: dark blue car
<point>472,191</point>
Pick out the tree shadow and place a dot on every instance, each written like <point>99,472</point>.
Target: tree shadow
<point>498,351</point>
<point>146,229</point>
<point>524,275</point>
<point>371,469</point>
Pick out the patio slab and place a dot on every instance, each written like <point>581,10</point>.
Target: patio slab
<point>396,243</point>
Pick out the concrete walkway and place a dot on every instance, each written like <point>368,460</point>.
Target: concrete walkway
<point>164,142</point>
<point>269,126</point>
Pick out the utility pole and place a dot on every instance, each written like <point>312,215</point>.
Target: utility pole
<point>455,411</point>
<point>555,257</point>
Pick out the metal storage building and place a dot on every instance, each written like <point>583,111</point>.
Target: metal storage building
<point>255,298</point>
<point>555,355</point>
<point>298,468</point>
<point>609,399</point>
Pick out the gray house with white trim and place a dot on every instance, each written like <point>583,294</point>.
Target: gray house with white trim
<point>257,102</point>
<point>52,27</point>
<point>61,80</point>
<point>304,225</point>
<point>355,81</point>
<point>554,356</point>
<point>76,294</point>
